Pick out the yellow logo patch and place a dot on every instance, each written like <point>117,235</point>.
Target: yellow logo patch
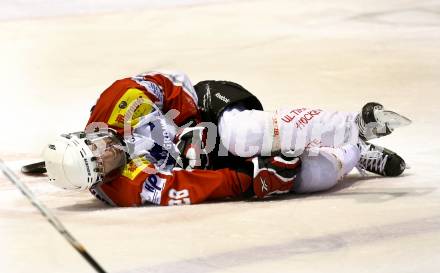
<point>130,108</point>
<point>134,167</point>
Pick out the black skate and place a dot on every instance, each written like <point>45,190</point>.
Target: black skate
<point>375,122</point>
<point>380,160</point>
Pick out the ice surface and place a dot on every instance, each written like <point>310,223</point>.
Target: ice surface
<point>329,54</point>
<point>22,9</point>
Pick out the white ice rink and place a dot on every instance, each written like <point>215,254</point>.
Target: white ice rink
<point>56,58</point>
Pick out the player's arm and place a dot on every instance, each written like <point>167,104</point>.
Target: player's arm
<point>174,91</point>
<point>126,101</point>
<point>140,183</point>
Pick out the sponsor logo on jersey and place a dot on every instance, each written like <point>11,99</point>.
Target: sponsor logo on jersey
<point>133,105</point>
<point>152,189</point>
<point>134,167</point>
<point>222,98</point>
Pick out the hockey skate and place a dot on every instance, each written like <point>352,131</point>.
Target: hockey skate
<point>374,121</point>
<point>379,160</point>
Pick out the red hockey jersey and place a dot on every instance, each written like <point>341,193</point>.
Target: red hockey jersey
<point>140,182</point>
<point>166,91</point>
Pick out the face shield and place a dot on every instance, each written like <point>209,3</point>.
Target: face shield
<point>108,150</point>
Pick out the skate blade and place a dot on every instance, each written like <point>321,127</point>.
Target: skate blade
<point>392,119</point>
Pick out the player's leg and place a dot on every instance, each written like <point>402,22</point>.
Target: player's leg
<point>323,167</point>
<point>246,130</point>
<point>300,128</point>
<point>246,133</point>
<point>251,132</point>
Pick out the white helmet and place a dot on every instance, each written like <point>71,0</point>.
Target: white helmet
<point>80,160</point>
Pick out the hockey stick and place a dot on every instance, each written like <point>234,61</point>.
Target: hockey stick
<point>34,168</point>
<point>49,216</point>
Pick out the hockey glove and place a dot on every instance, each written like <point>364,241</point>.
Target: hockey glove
<point>191,145</point>
<point>274,175</point>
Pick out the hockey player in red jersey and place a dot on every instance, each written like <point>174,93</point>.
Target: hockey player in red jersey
<point>134,109</point>
<point>126,155</point>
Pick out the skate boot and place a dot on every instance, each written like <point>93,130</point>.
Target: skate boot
<point>380,160</point>
<point>374,121</point>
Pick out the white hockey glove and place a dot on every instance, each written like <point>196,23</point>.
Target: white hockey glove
<point>153,138</point>
<point>191,143</point>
